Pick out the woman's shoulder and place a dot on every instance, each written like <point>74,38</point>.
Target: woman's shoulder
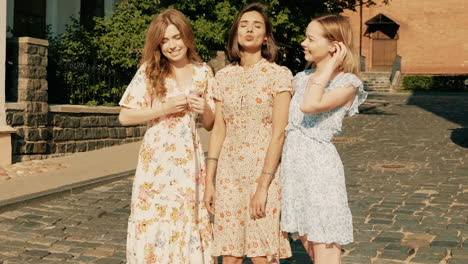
<point>350,78</point>
<point>226,70</point>
<point>303,74</point>
<point>204,68</point>
<point>141,68</point>
<point>278,69</point>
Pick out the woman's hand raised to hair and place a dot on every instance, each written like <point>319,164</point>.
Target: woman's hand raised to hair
<point>338,55</point>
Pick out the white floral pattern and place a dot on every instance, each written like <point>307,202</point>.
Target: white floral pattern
<point>169,222</point>
<point>315,201</point>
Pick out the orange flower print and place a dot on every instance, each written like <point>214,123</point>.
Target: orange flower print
<point>128,99</point>
<point>150,257</point>
<point>168,184</point>
<point>247,141</point>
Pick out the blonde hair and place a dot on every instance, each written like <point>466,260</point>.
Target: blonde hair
<point>157,65</point>
<point>338,28</point>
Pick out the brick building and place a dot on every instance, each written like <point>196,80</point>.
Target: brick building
<point>431,36</point>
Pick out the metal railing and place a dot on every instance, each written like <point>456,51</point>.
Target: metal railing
<point>86,83</point>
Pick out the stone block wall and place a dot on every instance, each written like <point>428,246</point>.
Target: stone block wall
<point>67,129</point>
<point>44,130</point>
<point>219,61</point>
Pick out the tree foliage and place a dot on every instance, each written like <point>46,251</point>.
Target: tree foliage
<point>114,42</point>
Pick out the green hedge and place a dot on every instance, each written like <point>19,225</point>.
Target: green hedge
<point>436,83</point>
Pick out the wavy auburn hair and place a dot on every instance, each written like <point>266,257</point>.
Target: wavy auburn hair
<point>338,28</point>
<point>157,65</point>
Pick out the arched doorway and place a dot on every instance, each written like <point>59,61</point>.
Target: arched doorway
<point>383,32</point>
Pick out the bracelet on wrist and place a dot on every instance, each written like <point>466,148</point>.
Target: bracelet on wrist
<point>315,83</point>
<point>212,159</point>
<point>268,173</point>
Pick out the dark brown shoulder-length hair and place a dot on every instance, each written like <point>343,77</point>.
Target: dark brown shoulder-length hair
<point>269,51</point>
<point>157,65</point>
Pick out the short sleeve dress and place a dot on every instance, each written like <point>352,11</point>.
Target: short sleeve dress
<point>315,201</point>
<point>169,222</point>
<point>247,103</point>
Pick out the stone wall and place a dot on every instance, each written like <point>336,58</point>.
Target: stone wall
<point>219,61</point>
<point>44,130</point>
<point>67,129</point>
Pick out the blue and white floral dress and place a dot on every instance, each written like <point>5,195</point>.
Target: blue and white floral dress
<point>314,194</point>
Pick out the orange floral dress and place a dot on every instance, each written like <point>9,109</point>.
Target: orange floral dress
<point>247,103</point>
<point>169,222</point>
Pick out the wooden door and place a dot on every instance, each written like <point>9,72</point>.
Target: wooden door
<point>384,51</point>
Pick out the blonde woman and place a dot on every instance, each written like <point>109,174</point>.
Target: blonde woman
<point>169,222</point>
<point>314,201</point>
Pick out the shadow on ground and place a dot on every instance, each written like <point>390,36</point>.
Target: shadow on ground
<point>450,106</point>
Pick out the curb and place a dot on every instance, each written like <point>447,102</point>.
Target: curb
<point>8,204</point>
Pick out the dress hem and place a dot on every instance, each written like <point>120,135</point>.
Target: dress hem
<point>324,241</point>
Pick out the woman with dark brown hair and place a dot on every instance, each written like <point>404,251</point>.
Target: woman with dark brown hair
<point>169,222</point>
<point>252,98</point>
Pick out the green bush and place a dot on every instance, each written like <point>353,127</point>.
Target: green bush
<point>436,83</point>
<point>93,64</point>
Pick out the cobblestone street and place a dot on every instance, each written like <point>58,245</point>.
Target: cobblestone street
<point>406,164</point>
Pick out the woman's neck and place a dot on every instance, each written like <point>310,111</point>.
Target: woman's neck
<point>250,58</point>
<point>179,65</point>
<point>322,67</point>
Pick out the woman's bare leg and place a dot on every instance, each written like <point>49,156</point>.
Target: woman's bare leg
<point>232,260</point>
<point>327,253</point>
<point>308,246</point>
<point>259,260</point>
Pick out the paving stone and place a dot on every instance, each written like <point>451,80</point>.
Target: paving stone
<point>85,259</point>
<point>460,253</point>
<point>108,261</point>
<point>449,244</point>
<point>36,253</point>
<point>427,259</point>
<point>387,261</point>
<point>355,260</point>
<point>58,256</point>
<point>457,261</point>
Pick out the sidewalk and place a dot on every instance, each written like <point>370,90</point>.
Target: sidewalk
<point>32,179</point>
<point>27,180</point>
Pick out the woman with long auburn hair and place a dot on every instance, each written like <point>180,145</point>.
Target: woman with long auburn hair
<point>315,202</point>
<point>171,89</point>
<point>252,98</point>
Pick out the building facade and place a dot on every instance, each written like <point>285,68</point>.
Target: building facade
<point>34,18</point>
<point>430,36</point>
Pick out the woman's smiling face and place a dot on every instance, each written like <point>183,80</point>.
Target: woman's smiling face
<point>173,46</point>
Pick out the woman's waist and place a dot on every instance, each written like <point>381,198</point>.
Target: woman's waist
<point>321,134</point>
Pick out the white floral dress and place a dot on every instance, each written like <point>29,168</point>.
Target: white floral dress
<point>169,222</point>
<point>315,201</point>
